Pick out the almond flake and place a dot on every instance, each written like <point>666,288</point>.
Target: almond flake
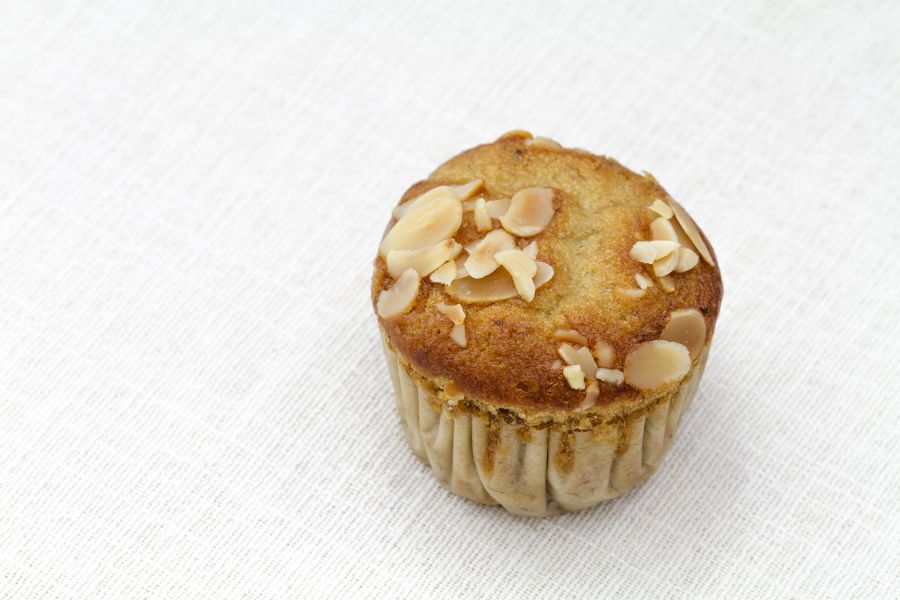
<point>557,364</point>
<point>458,334</point>
<point>493,288</point>
<point>481,262</point>
<point>643,281</point>
<point>661,208</point>
<point>665,265</point>
<point>661,229</point>
<point>544,142</point>
<point>482,218</point>
<point>424,225</point>
<point>687,260</point>
<point>590,396</point>
<point>653,365</point>
<point>498,208</point>
<point>531,250</point>
<point>543,275</point>
<point>687,327</point>
<point>398,298</point>
<point>436,192</point>
<point>522,268</point>
<point>445,274</point>
<point>570,335</point>
<point>643,252</point>
<point>667,283</point>
<point>423,260</point>
<point>516,133</point>
<point>691,230</point>
<point>580,356</point>
<point>605,354</point>
<point>574,376</point>
<point>454,312</point>
<point>630,293</point>
<point>530,211</point>
<point>465,191</point>
<point>460,267</point>
<point>612,376</point>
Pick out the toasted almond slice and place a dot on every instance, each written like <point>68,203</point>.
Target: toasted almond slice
<point>482,218</point>
<point>667,283</point>
<point>665,265</point>
<point>661,229</point>
<point>543,275</point>
<point>530,211</point>
<point>605,354</point>
<point>522,268</point>
<point>458,334</point>
<point>653,365</point>
<point>664,247</point>
<point>691,230</point>
<point>570,335</point>
<point>531,250</point>
<point>557,364</point>
<point>687,260</point>
<point>574,376</point>
<point>498,208</point>
<point>612,376</point>
<point>481,261</point>
<point>398,298</point>
<point>461,267</point>
<point>643,281</point>
<point>630,293</point>
<point>545,142</point>
<point>643,252</point>
<point>516,133</point>
<point>493,288</point>
<point>454,312</point>
<point>661,208</point>
<point>580,356</point>
<point>687,327</point>
<point>423,260</point>
<point>464,191</point>
<point>424,224</point>
<point>445,274</point>
<point>436,192</point>
<point>469,205</point>
<point>590,396</point>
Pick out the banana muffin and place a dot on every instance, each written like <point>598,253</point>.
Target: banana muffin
<point>546,316</point>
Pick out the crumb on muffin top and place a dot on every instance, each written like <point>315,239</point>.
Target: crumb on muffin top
<point>527,276</point>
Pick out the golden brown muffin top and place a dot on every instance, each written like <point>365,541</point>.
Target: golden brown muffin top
<point>511,357</point>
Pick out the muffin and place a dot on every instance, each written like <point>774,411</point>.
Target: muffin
<point>546,316</point>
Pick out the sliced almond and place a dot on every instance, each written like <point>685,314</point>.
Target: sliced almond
<point>423,260</point>
<point>643,281</point>
<point>574,376</point>
<point>530,211</point>
<point>481,261</point>
<point>531,250</point>
<point>398,298</point>
<point>469,205</point>
<point>557,364</point>
<point>458,334</point>
<point>653,365</point>
<point>464,191</point>
<point>498,208</point>
<point>424,225</point>
<point>612,376</point>
<point>516,133</point>
<point>665,265</point>
<point>543,275</point>
<point>545,142</point>
<point>687,327</point>
<point>436,192</point>
<point>522,268</point>
<point>687,260</point>
<point>661,229</point>
<point>590,396</point>
<point>461,267</point>
<point>643,252</point>
<point>454,312</point>
<point>661,208</point>
<point>482,218</point>
<point>691,230</point>
<point>630,293</point>
<point>445,274</point>
<point>579,356</point>
<point>667,283</point>
<point>605,354</point>
<point>493,288</point>
<point>570,335</point>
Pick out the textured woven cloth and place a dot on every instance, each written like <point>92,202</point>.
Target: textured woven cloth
<point>193,400</point>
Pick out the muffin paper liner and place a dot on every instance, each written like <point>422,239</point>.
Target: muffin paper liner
<point>536,471</point>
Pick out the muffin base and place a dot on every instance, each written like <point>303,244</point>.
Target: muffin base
<point>536,471</point>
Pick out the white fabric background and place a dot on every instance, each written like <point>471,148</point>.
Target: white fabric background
<point>192,398</point>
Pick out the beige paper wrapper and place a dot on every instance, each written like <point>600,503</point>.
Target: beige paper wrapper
<point>533,471</point>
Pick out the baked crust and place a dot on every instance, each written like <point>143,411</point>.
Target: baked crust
<point>510,360</point>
